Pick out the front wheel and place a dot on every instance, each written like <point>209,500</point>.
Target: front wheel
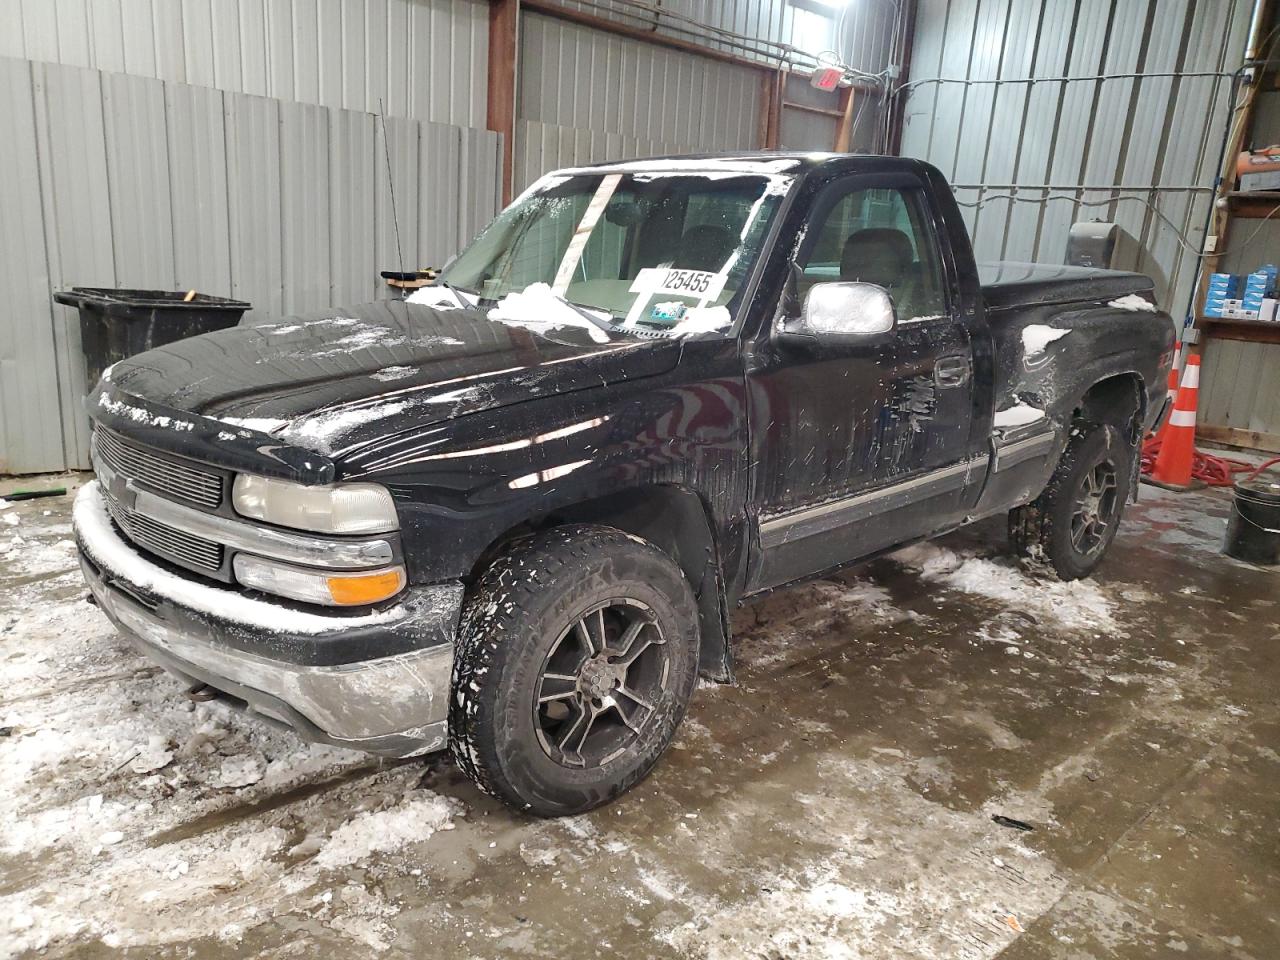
<point>1070,526</point>
<point>575,660</point>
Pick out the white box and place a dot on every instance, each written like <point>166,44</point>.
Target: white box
<point>1268,311</point>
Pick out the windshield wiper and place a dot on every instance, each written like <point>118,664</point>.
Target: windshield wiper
<point>605,325</point>
<point>457,293</point>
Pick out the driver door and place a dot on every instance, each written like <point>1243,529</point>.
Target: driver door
<point>862,445</point>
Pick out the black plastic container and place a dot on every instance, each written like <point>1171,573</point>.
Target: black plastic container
<point>115,324</point>
<point>1253,532</point>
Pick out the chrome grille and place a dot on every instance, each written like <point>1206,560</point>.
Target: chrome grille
<point>177,479</point>
<point>160,538</point>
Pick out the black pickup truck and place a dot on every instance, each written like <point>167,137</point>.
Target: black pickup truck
<point>513,517</point>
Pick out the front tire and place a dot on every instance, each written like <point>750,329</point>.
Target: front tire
<point>1071,525</point>
<point>576,657</point>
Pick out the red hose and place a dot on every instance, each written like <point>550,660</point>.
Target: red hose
<point>1215,471</point>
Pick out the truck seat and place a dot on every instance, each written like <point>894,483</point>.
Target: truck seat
<point>883,256</point>
<point>705,247</point>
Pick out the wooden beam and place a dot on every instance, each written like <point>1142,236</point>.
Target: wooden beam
<point>779,81</point>
<point>1250,331</point>
<point>1235,437</point>
<point>834,112</point>
<point>764,123</point>
<point>504,16</point>
<point>898,102</point>
<point>845,131</point>
<point>1253,204</point>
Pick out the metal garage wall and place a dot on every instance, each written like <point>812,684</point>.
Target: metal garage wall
<point>422,58</point>
<point>1029,159</point>
<point>114,180</point>
<point>860,29</point>
<point>585,95</point>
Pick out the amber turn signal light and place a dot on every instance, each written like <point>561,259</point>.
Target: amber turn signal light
<point>350,591</point>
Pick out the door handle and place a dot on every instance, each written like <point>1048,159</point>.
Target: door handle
<point>951,371</point>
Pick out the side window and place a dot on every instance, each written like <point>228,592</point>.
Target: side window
<point>879,235</point>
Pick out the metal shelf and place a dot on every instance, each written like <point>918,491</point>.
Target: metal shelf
<point>1253,204</point>
<point>1252,331</point>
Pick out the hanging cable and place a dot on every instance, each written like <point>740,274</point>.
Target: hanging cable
<point>1117,198</point>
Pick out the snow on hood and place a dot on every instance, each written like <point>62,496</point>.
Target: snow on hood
<point>538,309</point>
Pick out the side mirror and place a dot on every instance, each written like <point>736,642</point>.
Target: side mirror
<point>841,313</point>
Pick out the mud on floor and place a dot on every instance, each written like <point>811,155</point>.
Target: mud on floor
<point>836,802</point>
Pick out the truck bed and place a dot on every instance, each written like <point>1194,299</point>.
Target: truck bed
<point>1007,284</point>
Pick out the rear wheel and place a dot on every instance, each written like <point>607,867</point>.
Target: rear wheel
<point>575,660</point>
<point>1070,526</point>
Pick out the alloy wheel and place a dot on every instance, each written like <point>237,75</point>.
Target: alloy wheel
<point>601,684</point>
<point>1095,508</point>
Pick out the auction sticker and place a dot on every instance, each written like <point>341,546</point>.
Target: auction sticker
<point>702,284</point>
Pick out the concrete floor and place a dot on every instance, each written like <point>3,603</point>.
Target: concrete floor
<point>836,802</point>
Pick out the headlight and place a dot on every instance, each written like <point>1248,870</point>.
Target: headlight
<point>317,586</point>
<point>338,508</point>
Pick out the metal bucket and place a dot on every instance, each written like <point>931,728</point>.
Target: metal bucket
<point>1253,532</point>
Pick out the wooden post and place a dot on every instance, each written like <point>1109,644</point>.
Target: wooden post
<point>844,132</point>
<point>776,83</point>
<point>504,17</point>
<point>897,103</point>
<point>764,123</point>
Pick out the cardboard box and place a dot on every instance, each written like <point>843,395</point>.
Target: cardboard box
<point>1268,311</point>
<point>1240,314</point>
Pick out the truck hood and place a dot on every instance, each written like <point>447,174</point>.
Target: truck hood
<point>333,381</point>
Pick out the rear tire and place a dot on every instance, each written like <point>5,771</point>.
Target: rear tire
<point>1071,525</point>
<point>576,657</point>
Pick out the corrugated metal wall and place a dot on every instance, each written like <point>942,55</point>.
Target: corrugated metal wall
<point>231,146</point>
<point>586,96</point>
<point>115,180</point>
<point>421,58</point>
<point>1066,151</point>
<point>859,29</point>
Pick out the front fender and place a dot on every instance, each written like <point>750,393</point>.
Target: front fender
<point>460,486</point>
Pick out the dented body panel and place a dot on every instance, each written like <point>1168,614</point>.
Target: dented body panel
<point>754,463</point>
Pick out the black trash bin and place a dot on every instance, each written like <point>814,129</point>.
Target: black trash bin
<point>115,324</point>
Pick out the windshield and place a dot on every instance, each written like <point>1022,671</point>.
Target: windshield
<point>662,252</point>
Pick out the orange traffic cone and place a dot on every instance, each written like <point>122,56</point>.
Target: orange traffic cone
<point>1163,429</point>
<point>1178,448</point>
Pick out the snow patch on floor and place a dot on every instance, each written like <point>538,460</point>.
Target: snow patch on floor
<point>130,815</point>
<point>1078,605</point>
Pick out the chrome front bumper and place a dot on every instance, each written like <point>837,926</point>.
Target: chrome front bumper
<point>263,656</point>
